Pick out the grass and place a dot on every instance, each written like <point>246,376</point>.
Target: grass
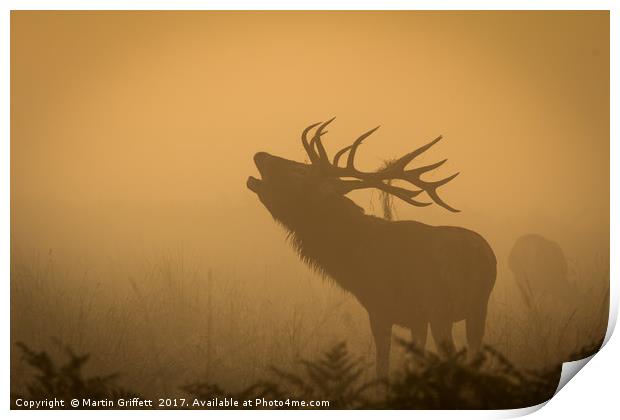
<point>174,318</point>
<point>170,319</point>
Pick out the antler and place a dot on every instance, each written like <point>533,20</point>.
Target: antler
<point>394,170</point>
<point>318,156</point>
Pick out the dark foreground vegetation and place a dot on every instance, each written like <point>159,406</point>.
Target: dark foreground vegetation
<point>426,381</point>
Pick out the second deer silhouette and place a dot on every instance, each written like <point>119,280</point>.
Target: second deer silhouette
<point>404,272</point>
<point>540,268</point>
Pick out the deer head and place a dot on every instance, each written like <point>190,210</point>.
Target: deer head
<point>291,189</point>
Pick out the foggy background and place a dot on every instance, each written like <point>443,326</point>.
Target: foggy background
<point>132,135</point>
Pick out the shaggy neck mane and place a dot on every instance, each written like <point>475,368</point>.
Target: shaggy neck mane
<point>325,234</point>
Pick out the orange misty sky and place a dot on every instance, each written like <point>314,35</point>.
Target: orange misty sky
<point>145,108</point>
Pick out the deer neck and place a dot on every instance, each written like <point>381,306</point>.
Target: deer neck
<point>331,242</point>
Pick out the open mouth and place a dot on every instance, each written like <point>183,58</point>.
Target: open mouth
<point>253,184</point>
<point>259,160</point>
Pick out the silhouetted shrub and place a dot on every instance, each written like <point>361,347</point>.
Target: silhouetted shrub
<point>427,381</point>
<point>66,381</point>
<point>456,381</point>
<point>335,377</point>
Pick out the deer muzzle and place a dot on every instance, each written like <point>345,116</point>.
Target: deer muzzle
<point>260,159</point>
<point>253,184</point>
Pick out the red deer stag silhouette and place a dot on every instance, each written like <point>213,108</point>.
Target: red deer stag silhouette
<point>402,272</point>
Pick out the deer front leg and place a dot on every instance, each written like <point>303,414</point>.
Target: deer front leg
<point>382,333</point>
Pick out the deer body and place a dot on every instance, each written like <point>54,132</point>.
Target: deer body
<point>404,272</point>
<point>404,267</point>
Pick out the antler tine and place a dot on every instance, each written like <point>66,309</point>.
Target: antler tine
<point>397,170</point>
<point>431,190</point>
<point>402,162</point>
<point>402,193</point>
<point>340,153</point>
<point>355,145</point>
<point>413,175</point>
<point>304,140</point>
<point>322,153</point>
<point>352,148</point>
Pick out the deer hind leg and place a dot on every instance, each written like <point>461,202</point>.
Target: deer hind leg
<point>474,326</point>
<point>382,333</point>
<point>442,334</point>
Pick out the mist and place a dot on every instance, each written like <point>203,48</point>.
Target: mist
<point>132,136</point>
